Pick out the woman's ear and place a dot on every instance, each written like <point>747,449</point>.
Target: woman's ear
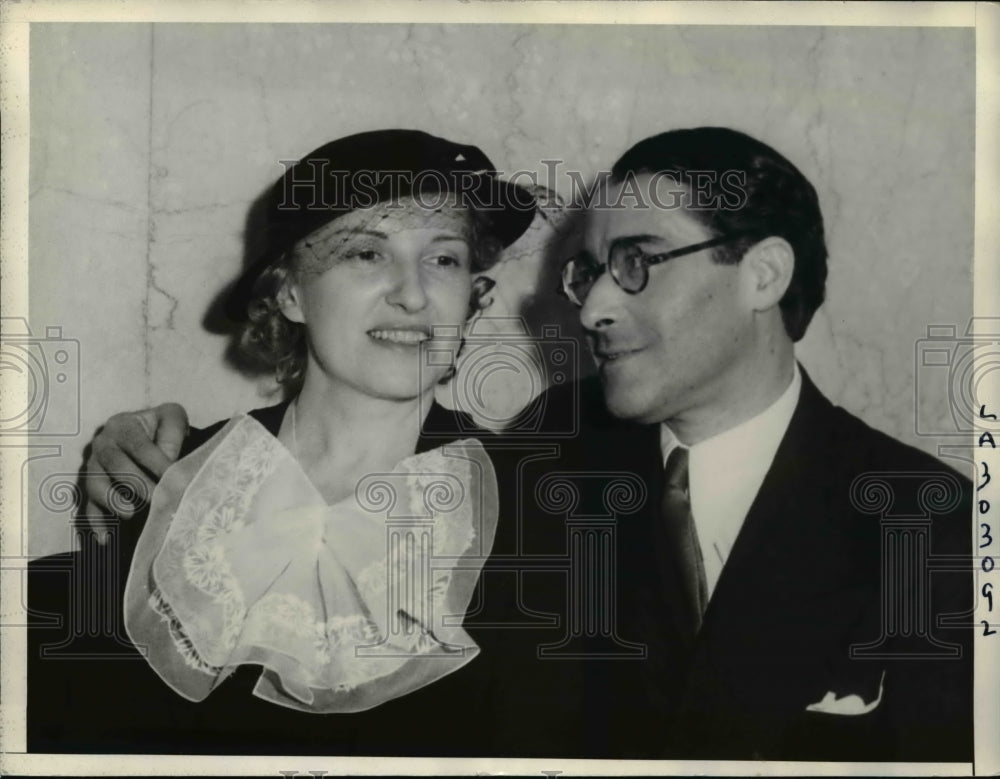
<point>478,302</point>
<point>289,299</point>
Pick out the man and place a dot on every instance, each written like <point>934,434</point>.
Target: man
<point>757,603</point>
<point>775,623</point>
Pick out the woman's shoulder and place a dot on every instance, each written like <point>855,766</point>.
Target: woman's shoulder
<point>441,426</point>
<point>269,417</point>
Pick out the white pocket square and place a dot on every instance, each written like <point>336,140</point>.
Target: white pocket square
<point>849,705</point>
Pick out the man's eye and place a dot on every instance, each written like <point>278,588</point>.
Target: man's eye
<point>629,257</point>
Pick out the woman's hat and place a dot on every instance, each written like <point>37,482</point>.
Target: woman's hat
<point>362,170</point>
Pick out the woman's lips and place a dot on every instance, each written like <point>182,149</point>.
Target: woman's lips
<point>401,336</point>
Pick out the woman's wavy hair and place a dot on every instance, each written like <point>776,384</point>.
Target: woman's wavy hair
<point>273,342</point>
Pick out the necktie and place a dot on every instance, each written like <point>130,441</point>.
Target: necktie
<point>683,536</point>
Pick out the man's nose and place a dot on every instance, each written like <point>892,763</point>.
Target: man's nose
<point>600,307</point>
<point>407,291</point>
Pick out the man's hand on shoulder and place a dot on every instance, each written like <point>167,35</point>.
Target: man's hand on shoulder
<point>130,453</point>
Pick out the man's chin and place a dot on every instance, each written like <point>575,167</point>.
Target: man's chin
<point>623,402</point>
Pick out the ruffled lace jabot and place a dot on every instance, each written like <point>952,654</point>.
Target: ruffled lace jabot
<point>345,606</point>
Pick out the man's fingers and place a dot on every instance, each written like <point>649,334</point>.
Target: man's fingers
<point>118,489</point>
<point>171,428</point>
<point>133,435</point>
<point>105,497</point>
<point>127,450</point>
<point>126,483</point>
<point>99,493</point>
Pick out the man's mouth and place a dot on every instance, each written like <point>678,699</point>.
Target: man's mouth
<point>406,337</point>
<point>605,356</point>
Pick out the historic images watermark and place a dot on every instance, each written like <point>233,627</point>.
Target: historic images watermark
<point>317,185</point>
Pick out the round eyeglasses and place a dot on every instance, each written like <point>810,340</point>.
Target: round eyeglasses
<point>629,267</point>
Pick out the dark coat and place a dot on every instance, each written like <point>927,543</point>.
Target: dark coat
<point>575,613</point>
<point>96,693</point>
<point>802,586</point>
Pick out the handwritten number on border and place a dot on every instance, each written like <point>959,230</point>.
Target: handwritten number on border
<point>987,537</point>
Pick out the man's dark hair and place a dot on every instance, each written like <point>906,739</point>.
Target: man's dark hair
<point>746,187</point>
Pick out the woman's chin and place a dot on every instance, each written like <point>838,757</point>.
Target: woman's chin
<point>408,388</point>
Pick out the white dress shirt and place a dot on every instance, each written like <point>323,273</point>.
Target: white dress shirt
<point>725,473</point>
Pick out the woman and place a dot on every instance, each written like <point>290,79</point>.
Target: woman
<point>321,551</point>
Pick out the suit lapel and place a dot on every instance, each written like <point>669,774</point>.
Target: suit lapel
<point>785,596</point>
<point>644,583</point>
<point>649,589</point>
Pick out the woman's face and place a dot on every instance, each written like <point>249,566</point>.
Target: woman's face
<point>383,294</point>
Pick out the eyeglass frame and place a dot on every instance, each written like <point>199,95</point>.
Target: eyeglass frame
<point>647,261</point>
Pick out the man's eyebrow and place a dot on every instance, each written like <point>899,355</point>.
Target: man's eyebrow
<point>626,241</point>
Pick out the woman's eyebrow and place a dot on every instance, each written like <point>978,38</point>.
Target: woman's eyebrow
<point>448,236</point>
<point>438,237</point>
<point>359,231</point>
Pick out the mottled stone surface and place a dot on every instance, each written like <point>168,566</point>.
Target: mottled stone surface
<point>150,143</point>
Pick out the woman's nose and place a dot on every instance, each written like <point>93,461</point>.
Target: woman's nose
<point>407,291</point>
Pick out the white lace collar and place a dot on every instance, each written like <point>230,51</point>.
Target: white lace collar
<point>345,606</point>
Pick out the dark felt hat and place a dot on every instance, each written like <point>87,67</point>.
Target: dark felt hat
<point>362,170</point>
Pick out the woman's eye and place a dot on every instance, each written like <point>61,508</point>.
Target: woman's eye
<point>365,255</point>
<point>448,261</point>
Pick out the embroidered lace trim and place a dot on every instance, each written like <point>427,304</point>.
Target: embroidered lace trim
<point>241,561</point>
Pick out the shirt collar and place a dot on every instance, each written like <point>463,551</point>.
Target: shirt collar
<point>726,472</point>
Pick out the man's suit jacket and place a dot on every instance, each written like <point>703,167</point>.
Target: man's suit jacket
<point>818,568</point>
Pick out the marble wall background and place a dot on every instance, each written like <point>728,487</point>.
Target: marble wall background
<point>150,142</point>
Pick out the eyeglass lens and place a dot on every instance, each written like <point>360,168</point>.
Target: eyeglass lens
<point>579,276</point>
<point>627,268</point>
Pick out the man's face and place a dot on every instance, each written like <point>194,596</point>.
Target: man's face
<point>675,348</point>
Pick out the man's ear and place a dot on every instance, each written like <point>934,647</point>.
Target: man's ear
<point>768,266</point>
<point>289,299</point>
